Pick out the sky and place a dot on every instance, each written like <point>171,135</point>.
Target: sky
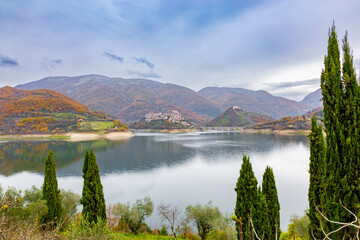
<point>277,45</point>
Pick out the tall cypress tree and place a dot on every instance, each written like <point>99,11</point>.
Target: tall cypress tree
<point>351,187</point>
<point>269,192</point>
<point>332,91</point>
<point>261,216</point>
<point>341,120</point>
<point>51,193</point>
<point>316,187</point>
<point>92,199</point>
<point>247,197</point>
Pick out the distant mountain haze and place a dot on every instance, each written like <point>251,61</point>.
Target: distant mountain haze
<point>130,99</point>
<point>255,101</point>
<point>313,99</point>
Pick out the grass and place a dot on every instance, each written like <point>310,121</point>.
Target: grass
<point>69,115</point>
<point>99,125</point>
<point>126,236</point>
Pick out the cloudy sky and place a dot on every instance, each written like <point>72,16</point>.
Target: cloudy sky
<point>276,45</point>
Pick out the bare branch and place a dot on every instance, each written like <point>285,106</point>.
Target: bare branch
<point>343,225</point>
<point>252,224</point>
<point>171,215</point>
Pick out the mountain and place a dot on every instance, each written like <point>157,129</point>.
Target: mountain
<point>236,117</point>
<point>314,99</point>
<point>167,120</point>
<point>43,111</point>
<point>130,99</point>
<point>254,101</point>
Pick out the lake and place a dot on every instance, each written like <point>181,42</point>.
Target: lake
<point>180,169</point>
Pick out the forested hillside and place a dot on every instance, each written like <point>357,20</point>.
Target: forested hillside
<point>47,111</point>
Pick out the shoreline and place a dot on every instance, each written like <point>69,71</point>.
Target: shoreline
<point>172,131</point>
<point>281,132</point>
<point>70,137</point>
<point>113,136</point>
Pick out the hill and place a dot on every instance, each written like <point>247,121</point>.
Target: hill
<point>168,120</point>
<point>236,117</point>
<point>44,111</point>
<point>254,101</point>
<point>130,99</point>
<point>302,122</point>
<point>314,99</point>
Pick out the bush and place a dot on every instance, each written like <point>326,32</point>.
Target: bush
<point>163,231</point>
<point>79,228</point>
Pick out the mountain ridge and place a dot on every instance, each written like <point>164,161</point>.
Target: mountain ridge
<point>130,99</point>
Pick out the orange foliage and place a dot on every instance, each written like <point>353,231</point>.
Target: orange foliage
<point>16,102</point>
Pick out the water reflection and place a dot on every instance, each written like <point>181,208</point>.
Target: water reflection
<point>30,155</point>
<point>179,169</point>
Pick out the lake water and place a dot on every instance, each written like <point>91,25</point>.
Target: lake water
<point>180,169</point>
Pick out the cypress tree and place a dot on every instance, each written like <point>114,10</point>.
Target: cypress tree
<point>92,199</point>
<point>51,193</point>
<point>316,187</point>
<point>351,193</point>
<point>332,91</point>
<point>341,120</point>
<point>269,192</point>
<point>247,198</point>
<point>261,216</point>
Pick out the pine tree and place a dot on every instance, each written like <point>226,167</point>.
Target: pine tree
<point>51,193</point>
<point>269,192</point>
<point>247,197</point>
<point>317,168</point>
<point>92,199</point>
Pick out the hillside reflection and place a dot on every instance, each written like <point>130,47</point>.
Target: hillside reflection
<point>140,153</point>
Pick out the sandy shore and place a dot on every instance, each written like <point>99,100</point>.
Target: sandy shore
<point>76,137</point>
<point>71,137</point>
<point>118,135</point>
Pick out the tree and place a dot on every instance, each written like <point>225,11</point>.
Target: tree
<point>51,193</point>
<point>247,197</point>
<point>203,217</point>
<point>261,218</point>
<point>269,192</point>
<point>316,170</point>
<point>134,217</point>
<point>341,119</point>
<point>299,227</point>
<point>92,199</point>
<point>171,215</point>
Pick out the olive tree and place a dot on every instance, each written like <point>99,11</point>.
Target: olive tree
<point>135,215</point>
<point>204,217</point>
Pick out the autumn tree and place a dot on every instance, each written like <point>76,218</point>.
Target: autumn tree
<point>51,193</point>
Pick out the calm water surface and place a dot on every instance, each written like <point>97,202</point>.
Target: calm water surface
<point>179,169</point>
